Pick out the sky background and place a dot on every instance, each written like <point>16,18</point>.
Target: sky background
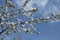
<point>49,31</point>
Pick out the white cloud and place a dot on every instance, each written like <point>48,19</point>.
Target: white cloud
<point>19,2</point>
<point>38,2</point>
<point>41,2</point>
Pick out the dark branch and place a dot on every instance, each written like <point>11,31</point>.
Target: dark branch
<point>4,30</point>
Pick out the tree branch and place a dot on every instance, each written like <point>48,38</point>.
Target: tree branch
<point>3,30</point>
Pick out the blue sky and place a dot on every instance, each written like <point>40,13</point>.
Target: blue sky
<point>49,31</point>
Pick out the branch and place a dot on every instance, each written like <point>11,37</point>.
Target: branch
<point>4,30</point>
